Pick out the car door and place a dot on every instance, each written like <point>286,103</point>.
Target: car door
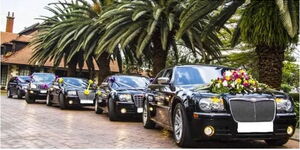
<point>162,94</point>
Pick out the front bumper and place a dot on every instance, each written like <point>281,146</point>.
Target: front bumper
<point>130,108</point>
<point>38,93</point>
<point>226,128</point>
<point>75,101</point>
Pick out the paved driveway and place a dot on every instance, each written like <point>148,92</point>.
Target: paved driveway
<point>39,126</point>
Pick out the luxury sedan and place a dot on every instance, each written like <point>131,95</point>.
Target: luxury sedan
<point>38,86</point>
<point>121,95</point>
<point>17,86</point>
<point>177,101</point>
<point>69,91</point>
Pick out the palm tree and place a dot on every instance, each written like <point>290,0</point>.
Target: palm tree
<point>148,27</point>
<point>71,35</point>
<point>270,26</point>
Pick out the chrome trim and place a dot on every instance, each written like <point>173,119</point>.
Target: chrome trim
<point>247,99</point>
<point>286,114</point>
<point>213,114</point>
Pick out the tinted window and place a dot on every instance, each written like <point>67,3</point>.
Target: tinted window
<point>43,77</point>
<point>76,82</point>
<point>130,82</point>
<point>23,79</point>
<point>197,74</point>
<point>160,74</point>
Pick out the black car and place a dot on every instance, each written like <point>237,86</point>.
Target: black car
<point>38,86</point>
<point>69,91</point>
<point>121,95</point>
<point>17,86</point>
<point>175,102</point>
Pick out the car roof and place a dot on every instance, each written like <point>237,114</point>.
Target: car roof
<point>43,73</point>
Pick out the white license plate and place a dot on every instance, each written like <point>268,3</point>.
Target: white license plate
<point>140,110</point>
<point>43,91</point>
<point>250,127</point>
<point>83,101</point>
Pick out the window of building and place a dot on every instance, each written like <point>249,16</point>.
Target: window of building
<point>4,71</point>
<point>24,71</point>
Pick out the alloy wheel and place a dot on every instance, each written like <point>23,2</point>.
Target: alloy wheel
<point>96,105</point>
<point>178,125</point>
<point>145,113</point>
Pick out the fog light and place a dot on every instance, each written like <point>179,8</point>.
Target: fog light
<point>70,102</point>
<point>209,130</point>
<point>290,130</point>
<point>31,92</point>
<point>151,108</point>
<point>123,110</point>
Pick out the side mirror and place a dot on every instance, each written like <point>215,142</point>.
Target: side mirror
<point>163,80</point>
<point>104,84</point>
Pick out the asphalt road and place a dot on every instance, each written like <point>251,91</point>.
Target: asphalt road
<point>39,126</point>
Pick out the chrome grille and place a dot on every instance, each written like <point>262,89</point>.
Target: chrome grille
<point>246,110</point>
<point>82,96</point>
<point>138,100</point>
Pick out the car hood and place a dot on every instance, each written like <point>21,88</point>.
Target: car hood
<point>269,94</point>
<point>76,88</point>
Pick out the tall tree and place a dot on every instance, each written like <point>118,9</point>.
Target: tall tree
<point>270,26</point>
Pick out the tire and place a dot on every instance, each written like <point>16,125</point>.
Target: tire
<point>62,103</point>
<point>181,134</point>
<point>19,94</point>
<point>9,93</point>
<point>29,99</point>
<point>111,111</point>
<point>48,100</point>
<point>97,109</point>
<point>147,122</point>
<point>277,142</point>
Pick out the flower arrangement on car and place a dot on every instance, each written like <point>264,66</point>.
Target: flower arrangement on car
<point>236,81</point>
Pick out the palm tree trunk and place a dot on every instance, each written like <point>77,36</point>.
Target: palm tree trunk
<point>159,56</point>
<point>270,63</point>
<point>104,68</point>
<point>71,72</point>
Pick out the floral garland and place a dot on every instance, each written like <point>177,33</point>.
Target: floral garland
<point>236,81</point>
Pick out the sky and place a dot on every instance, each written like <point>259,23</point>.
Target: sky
<point>25,12</point>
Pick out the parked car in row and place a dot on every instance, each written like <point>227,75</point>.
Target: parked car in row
<point>174,102</point>
<point>17,86</point>
<point>70,91</point>
<point>38,86</point>
<point>121,95</point>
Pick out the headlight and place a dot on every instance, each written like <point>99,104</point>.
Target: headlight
<point>24,87</point>
<point>33,86</point>
<point>125,97</point>
<point>72,93</point>
<point>211,104</point>
<point>283,104</point>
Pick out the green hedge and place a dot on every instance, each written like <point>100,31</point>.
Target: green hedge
<point>295,96</point>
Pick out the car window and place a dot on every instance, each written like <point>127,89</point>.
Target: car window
<point>168,73</point>
<point>160,74</point>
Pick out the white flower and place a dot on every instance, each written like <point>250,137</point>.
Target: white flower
<point>225,83</point>
<point>228,73</point>
<point>218,85</point>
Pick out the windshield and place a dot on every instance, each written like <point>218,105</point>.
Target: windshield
<point>130,82</point>
<point>43,77</point>
<point>76,82</point>
<point>193,75</point>
<point>23,79</point>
